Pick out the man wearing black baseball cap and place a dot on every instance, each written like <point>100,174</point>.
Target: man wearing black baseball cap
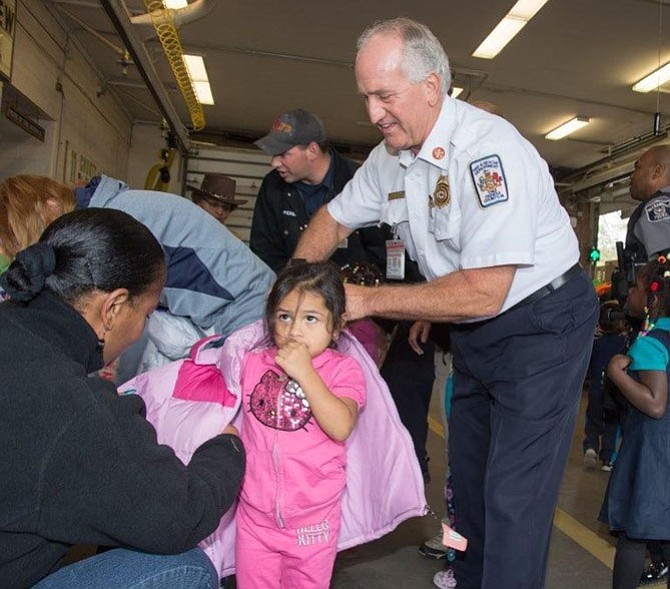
<point>307,173</point>
<point>296,127</point>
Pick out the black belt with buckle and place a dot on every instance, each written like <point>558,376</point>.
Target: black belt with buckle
<point>547,289</point>
<point>540,293</point>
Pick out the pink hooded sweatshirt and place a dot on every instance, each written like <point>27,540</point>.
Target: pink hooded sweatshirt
<point>188,403</point>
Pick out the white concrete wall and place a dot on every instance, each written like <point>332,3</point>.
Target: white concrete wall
<point>145,146</point>
<point>22,153</point>
<point>86,133</point>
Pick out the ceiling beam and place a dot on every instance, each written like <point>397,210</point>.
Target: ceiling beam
<point>120,19</point>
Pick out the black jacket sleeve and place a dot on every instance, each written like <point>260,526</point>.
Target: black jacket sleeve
<point>265,238</point>
<point>107,481</point>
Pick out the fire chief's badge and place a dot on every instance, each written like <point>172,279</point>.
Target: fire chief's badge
<point>441,196</point>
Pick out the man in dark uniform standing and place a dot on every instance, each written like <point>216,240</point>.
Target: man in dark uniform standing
<point>649,226</point>
<point>307,173</point>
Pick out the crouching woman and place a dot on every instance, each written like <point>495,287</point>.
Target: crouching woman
<point>80,464</point>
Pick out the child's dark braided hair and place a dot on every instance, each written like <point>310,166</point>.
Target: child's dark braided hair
<point>656,275</point>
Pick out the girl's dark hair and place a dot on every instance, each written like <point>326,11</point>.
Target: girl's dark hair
<point>86,250</point>
<point>321,278</point>
<point>656,277</point>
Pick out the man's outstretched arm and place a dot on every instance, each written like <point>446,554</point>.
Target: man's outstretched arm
<point>320,239</point>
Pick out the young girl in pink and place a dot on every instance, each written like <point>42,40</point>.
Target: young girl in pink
<point>301,399</point>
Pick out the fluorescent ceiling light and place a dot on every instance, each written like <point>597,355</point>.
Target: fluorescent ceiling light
<point>456,91</point>
<point>175,4</point>
<point>526,9</point>
<point>508,27</point>
<point>654,79</point>
<point>567,128</point>
<point>195,65</point>
<point>203,92</point>
<point>504,32</point>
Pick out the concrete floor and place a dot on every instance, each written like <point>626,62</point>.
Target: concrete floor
<point>581,552</point>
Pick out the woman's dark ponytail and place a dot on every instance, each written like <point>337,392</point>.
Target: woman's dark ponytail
<point>27,274</point>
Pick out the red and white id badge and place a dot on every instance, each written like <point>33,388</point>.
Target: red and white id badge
<point>453,539</point>
<point>395,259</point>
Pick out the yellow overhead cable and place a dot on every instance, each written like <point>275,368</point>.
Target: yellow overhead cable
<point>167,34</point>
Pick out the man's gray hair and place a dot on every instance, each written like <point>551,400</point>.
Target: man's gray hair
<point>423,54</point>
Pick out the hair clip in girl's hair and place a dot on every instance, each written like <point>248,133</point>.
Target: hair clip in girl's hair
<point>648,324</point>
<point>653,287</point>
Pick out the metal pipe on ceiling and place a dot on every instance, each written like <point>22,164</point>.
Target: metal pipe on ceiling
<point>120,19</point>
<point>618,164</point>
<point>99,36</point>
<point>180,16</point>
<point>84,3</point>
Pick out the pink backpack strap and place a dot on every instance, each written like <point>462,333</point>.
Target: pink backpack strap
<point>202,382</point>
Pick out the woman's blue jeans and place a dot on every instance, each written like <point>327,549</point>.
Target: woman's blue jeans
<point>127,569</point>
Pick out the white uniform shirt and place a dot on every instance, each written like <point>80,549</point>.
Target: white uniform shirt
<point>502,207</point>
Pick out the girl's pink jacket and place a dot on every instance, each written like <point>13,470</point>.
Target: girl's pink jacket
<point>188,405</point>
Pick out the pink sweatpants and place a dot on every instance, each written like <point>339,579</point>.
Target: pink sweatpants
<point>269,557</point>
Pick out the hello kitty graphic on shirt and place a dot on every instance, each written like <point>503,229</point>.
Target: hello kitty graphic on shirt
<point>279,402</point>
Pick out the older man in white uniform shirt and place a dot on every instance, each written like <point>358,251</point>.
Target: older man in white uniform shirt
<point>474,205</point>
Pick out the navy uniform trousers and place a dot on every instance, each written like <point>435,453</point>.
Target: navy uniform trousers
<point>517,383</point>
<point>410,378</point>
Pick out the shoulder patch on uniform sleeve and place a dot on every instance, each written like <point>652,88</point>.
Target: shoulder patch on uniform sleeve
<point>659,210</point>
<point>489,179</point>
